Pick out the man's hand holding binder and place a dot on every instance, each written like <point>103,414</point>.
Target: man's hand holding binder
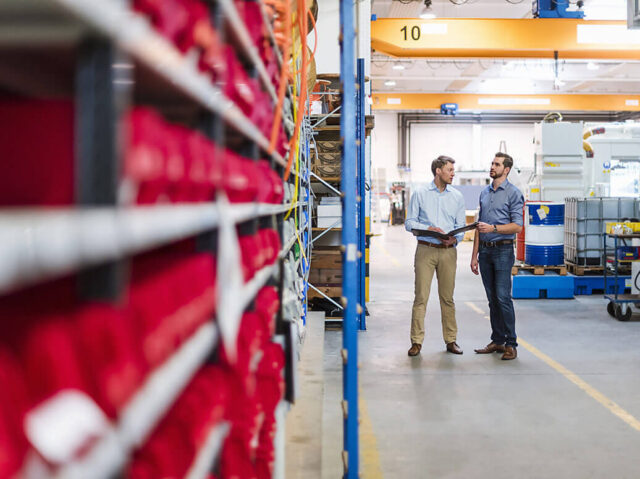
<point>445,238</point>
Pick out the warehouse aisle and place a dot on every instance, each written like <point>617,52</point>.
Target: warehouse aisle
<point>547,414</point>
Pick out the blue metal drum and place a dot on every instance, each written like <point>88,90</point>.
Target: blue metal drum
<point>545,213</point>
<point>544,233</point>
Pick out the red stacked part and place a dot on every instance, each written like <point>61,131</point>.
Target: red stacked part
<point>165,162</point>
<point>175,443</point>
<point>37,166</point>
<point>104,351</point>
<point>171,296</point>
<point>162,162</point>
<point>186,23</point>
<point>258,386</point>
<point>258,251</point>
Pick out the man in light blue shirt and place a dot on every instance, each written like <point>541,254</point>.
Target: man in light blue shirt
<point>438,207</point>
<point>500,219</point>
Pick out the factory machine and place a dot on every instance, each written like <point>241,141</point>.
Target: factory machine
<point>577,160</point>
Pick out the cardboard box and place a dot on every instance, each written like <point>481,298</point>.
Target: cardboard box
<point>329,259</point>
<point>325,276</point>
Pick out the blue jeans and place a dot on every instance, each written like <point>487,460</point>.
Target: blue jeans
<point>495,269</point>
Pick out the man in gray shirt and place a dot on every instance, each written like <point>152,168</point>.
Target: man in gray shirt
<point>500,219</point>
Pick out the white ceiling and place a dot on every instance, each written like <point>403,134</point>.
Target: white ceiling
<point>594,9</point>
<point>494,76</point>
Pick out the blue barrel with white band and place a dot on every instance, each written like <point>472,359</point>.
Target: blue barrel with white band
<point>544,233</point>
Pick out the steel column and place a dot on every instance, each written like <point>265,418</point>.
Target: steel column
<point>349,241</point>
<point>361,204</point>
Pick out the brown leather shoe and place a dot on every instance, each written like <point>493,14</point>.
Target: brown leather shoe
<point>454,348</point>
<point>510,353</point>
<point>415,349</point>
<point>491,348</point>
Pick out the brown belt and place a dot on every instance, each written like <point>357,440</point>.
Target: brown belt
<point>434,245</point>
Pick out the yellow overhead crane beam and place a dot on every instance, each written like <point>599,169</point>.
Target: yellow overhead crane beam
<point>472,102</point>
<point>505,38</point>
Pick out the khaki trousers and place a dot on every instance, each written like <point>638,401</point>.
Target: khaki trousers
<point>443,262</point>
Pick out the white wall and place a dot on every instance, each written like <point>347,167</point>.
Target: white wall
<point>328,51</point>
<point>471,145</point>
<point>328,28</point>
<point>384,145</point>
<point>430,141</point>
<point>519,140</point>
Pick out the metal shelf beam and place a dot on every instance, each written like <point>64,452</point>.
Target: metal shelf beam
<point>37,244</point>
<point>133,34</point>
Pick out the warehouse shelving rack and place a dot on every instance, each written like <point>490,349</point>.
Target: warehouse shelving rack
<point>620,305</point>
<point>363,124</point>
<point>111,44</point>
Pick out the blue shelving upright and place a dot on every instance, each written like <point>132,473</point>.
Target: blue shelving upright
<point>351,284</point>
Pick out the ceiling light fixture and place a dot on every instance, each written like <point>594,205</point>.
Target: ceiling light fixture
<point>398,66</point>
<point>593,66</point>
<point>426,13</point>
<point>390,83</point>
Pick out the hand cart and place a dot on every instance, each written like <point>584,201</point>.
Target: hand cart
<point>626,250</point>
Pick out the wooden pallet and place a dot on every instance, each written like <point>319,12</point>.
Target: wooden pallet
<point>580,270</point>
<point>331,291</point>
<point>539,270</point>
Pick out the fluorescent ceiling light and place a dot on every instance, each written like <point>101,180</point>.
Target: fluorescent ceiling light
<point>507,85</point>
<point>607,35</point>
<point>514,101</point>
<point>608,10</point>
<point>593,66</point>
<point>426,12</point>
<point>390,83</point>
<point>434,28</point>
<point>398,66</point>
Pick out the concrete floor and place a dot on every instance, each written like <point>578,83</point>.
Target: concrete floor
<point>475,416</point>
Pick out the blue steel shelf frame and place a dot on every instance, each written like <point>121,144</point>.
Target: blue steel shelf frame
<point>360,199</point>
<point>351,285</point>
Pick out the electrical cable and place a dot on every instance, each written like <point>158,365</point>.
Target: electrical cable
<point>302,29</point>
<point>282,87</point>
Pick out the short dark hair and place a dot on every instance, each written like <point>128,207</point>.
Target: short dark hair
<point>507,160</point>
<point>440,162</point>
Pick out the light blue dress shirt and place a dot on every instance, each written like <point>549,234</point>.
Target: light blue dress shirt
<point>430,207</point>
<point>500,207</point>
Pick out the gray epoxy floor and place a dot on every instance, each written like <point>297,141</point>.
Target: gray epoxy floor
<point>472,416</point>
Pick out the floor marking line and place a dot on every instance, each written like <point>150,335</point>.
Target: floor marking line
<point>371,468</point>
<point>596,395</point>
<point>391,257</point>
<point>613,407</point>
<point>474,307</point>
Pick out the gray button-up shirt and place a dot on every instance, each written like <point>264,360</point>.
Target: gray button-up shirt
<point>500,207</point>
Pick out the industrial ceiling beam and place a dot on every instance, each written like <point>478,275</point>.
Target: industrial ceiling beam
<point>471,102</point>
<point>505,38</point>
<point>605,76</point>
<point>599,79</point>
